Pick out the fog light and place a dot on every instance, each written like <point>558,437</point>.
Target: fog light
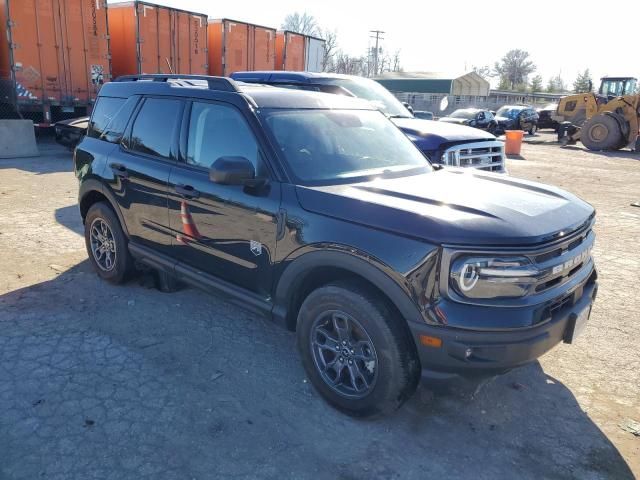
<point>468,352</point>
<point>428,341</point>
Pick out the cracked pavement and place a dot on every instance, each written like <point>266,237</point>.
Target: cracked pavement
<point>100,382</point>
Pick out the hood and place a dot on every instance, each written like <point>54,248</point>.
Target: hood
<point>459,121</point>
<point>454,206</point>
<point>505,120</point>
<point>431,135</point>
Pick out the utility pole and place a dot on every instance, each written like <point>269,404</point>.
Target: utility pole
<point>378,36</point>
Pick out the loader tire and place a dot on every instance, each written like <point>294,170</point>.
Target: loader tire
<point>602,132</point>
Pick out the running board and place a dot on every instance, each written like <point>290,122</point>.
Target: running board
<point>202,280</point>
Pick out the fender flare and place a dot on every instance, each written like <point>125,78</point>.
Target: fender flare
<point>92,185</point>
<point>371,271</point>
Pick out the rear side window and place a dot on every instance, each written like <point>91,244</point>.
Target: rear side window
<point>104,111</point>
<point>114,130</point>
<point>155,126</point>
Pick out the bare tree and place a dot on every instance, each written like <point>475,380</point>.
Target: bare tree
<point>396,65</point>
<point>514,68</point>
<point>301,23</point>
<point>350,65</point>
<point>330,46</point>
<point>484,71</point>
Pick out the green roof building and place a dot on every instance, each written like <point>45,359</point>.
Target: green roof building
<point>466,84</point>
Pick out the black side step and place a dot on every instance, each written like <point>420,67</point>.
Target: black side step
<point>205,281</point>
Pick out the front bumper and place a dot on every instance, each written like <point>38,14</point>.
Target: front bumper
<point>499,350</point>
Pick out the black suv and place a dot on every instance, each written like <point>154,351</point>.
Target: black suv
<point>517,117</point>
<point>317,211</point>
<point>473,117</point>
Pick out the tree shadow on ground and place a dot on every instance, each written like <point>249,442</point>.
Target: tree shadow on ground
<point>98,378</point>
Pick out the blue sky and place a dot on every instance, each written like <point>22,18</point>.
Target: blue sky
<point>561,36</point>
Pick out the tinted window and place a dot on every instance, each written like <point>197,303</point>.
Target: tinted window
<point>154,129</point>
<point>219,131</point>
<point>104,111</point>
<point>116,127</point>
<point>332,146</point>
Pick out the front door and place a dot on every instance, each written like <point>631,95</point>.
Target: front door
<point>228,231</point>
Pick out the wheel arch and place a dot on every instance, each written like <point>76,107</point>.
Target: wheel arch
<point>316,268</point>
<point>92,192</point>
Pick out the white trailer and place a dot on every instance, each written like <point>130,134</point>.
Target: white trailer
<point>314,54</point>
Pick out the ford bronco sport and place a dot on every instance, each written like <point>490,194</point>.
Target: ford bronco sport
<point>317,211</point>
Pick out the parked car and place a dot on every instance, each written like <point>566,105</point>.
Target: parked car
<point>70,132</point>
<point>423,114</point>
<point>440,142</point>
<point>545,114</point>
<point>517,117</point>
<point>318,212</point>
<point>473,117</point>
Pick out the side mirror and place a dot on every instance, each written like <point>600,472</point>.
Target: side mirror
<point>232,171</point>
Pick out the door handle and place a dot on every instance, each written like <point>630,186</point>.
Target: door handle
<point>187,191</point>
<point>119,170</point>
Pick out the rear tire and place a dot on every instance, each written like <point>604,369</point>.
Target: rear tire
<point>107,244</point>
<point>357,355</point>
<point>533,129</point>
<point>601,132</point>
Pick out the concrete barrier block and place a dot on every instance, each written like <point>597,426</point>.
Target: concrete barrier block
<point>17,139</point>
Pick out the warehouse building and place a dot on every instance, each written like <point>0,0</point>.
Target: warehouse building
<point>425,91</point>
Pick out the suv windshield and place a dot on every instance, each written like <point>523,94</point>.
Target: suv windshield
<point>380,97</point>
<point>508,112</point>
<point>468,114</point>
<point>337,146</point>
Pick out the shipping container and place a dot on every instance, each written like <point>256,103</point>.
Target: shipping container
<point>290,51</point>
<point>239,46</point>
<point>149,38</point>
<point>314,54</point>
<point>53,58</point>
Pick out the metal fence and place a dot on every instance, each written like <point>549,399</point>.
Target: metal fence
<point>495,100</point>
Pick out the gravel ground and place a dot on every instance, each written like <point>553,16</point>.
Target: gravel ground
<point>126,382</point>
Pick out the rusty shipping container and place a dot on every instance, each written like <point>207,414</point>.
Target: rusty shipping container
<point>149,38</point>
<point>290,47</point>
<point>237,46</point>
<point>53,58</point>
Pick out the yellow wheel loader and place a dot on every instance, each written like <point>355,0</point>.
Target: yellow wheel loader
<point>607,120</point>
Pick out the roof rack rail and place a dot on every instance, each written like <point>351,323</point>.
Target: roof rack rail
<point>215,83</point>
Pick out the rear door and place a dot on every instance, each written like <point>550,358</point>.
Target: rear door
<point>139,170</point>
<point>228,231</point>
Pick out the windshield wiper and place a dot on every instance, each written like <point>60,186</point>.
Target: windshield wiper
<point>400,116</point>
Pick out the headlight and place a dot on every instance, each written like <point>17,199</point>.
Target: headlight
<point>499,277</point>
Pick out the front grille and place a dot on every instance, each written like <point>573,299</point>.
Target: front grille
<point>488,156</point>
<point>561,262</point>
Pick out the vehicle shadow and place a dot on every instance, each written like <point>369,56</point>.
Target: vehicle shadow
<point>140,381</point>
<point>626,154</point>
<point>53,158</point>
<point>69,217</point>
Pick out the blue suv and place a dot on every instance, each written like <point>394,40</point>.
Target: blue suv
<point>442,143</point>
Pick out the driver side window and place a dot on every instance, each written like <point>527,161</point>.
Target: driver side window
<point>216,131</point>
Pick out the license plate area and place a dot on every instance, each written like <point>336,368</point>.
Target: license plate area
<point>577,323</point>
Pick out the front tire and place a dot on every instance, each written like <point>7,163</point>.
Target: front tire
<point>106,244</point>
<point>533,129</point>
<point>601,132</point>
<point>357,355</point>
